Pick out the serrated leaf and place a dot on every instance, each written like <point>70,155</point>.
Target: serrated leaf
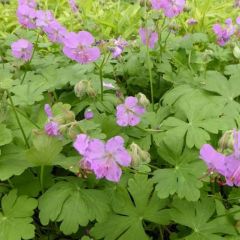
<point>183,178</point>
<point>72,205</point>
<point>126,221</point>
<point>197,216</point>
<point>16,217</point>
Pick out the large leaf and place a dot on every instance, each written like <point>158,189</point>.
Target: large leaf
<point>197,216</point>
<point>183,176</point>
<point>130,208</point>
<point>195,120</point>
<point>72,205</point>
<point>16,217</point>
<point>6,135</point>
<point>12,162</point>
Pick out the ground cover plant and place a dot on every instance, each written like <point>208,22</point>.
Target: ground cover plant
<point>119,120</point>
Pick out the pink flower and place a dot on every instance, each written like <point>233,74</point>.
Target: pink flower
<point>78,47</point>
<point>118,48</point>
<point>88,114</point>
<point>51,127</point>
<point>129,113</point>
<point>22,49</point>
<point>171,8</point>
<point>44,18</point>
<point>29,3</point>
<point>104,159</point>
<point>26,16</point>
<point>148,37</point>
<point>108,85</point>
<point>228,166</point>
<point>224,33</point>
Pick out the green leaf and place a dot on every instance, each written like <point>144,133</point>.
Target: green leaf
<point>28,94</point>
<point>5,79</point>
<point>6,135</point>
<point>183,178</point>
<point>194,120</point>
<point>16,217</point>
<point>198,217</point>
<point>45,151</point>
<point>72,205</point>
<point>12,162</point>
<point>130,208</point>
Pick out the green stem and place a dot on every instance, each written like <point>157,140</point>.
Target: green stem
<point>150,77</point>
<point>18,120</point>
<point>41,179</point>
<point>29,62</point>
<point>101,81</point>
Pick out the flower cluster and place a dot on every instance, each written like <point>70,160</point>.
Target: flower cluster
<point>224,33</point>
<point>171,8</point>
<point>226,165</point>
<point>129,113</point>
<point>104,159</point>
<point>22,49</point>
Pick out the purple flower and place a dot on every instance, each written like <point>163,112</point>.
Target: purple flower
<point>104,159</point>
<point>51,127</point>
<point>44,18</point>
<point>224,33</point>
<point>192,21</point>
<point>129,113</point>
<point>22,49</point>
<point>118,48</point>
<point>88,114</point>
<point>73,5</point>
<point>27,16</point>
<point>148,37</point>
<point>171,8</point>
<point>78,47</point>
<point>55,32</point>
<point>29,3</point>
<point>238,20</point>
<point>237,3</point>
<point>227,165</point>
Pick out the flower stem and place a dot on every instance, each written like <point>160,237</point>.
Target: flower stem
<point>150,77</point>
<point>41,178</point>
<point>29,62</point>
<point>18,120</point>
<point>101,81</point>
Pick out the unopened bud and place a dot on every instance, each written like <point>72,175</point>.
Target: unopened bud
<point>142,100</point>
<point>139,156</point>
<point>88,114</point>
<point>80,88</point>
<point>226,142</point>
<point>236,52</point>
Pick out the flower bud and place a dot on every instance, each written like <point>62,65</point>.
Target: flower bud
<point>81,88</point>
<point>91,92</point>
<point>139,156</point>
<point>88,114</point>
<point>236,52</point>
<point>142,100</point>
<point>226,142</point>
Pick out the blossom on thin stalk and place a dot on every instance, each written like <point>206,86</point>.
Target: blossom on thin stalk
<point>104,159</point>
<point>224,33</point>
<point>22,49</point>
<point>148,37</point>
<point>191,21</point>
<point>129,113</point>
<point>228,165</point>
<point>51,127</point>
<point>26,16</point>
<point>171,8</point>
<point>78,47</point>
